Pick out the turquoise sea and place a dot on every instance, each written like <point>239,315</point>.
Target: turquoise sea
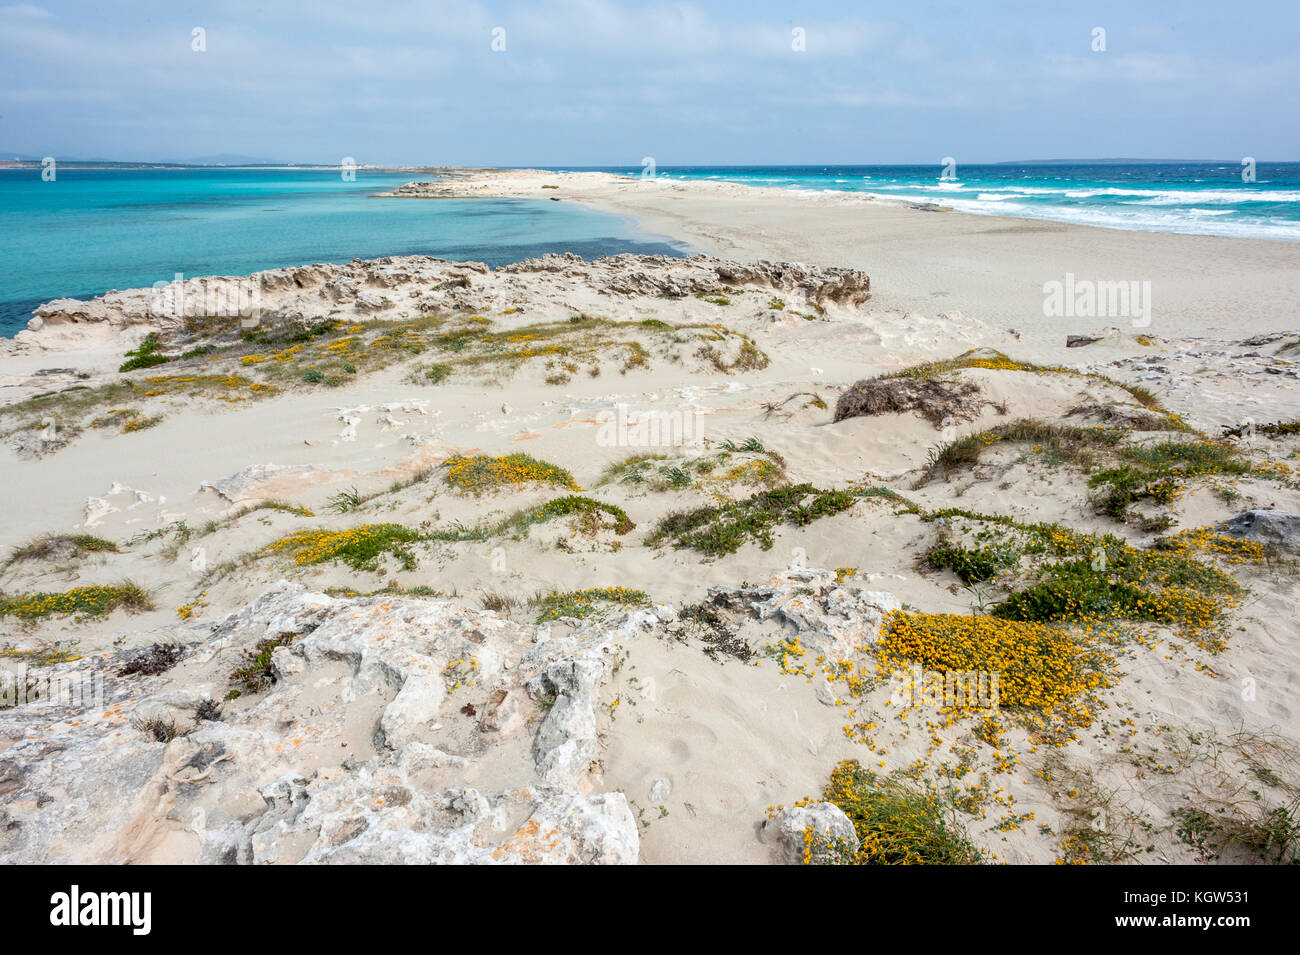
<point>97,229</point>
<point>92,230</point>
<point>1203,198</point>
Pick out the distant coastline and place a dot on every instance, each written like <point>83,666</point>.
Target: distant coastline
<point>27,163</point>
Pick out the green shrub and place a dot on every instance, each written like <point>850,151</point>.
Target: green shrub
<point>144,355</point>
<point>896,824</point>
<point>971,565</point>
<point>576,504</point>
<point>722,529</point>
<point>255,675</point>
<point>358,547</point>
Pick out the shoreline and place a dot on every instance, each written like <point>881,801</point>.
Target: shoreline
<point>927,259</point>
<point>809,193</point>
<point>990,267</point>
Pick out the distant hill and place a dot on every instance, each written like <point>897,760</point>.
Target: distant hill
<point>218,159</point>
<point>229,159</point>
<point>1110,162</point>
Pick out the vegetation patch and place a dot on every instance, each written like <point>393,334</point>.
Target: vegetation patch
<point>159,658</point>
<point>115,418</point>
<point>207,710</point>
<point>1274,429</point>
<point>748,463</point>
<point>1237,800</point>
<point>391,589</point>
<point>1062,442</point>
<point>994,360</point>
<point>255,675</point>
<point>810,400</point>
<point>576,505</point>
<point>1159,472</point>
<point>934,399</point>
<point>632,469</point>
<point>344,501</point>
<point>582,603</point>
<point>590,512</point>
<point>590,340</point>
<point>83,601</point>
<point>61,547</point>
<point>482,473</point>
<point>722,529</point>
<point>42,656</point>
<point>272,504</point>
<point>1047,670</point>
<point>896,824</point>
<point>145,355</point>
<point>283,352</point>
<point>69,411</point>
<point>1247,806</point>
<point>359,547</point>
<point>878,493</point>
<point>706,622</point>
<point>1113,416</point>
<point>141,423</point>
<point>1078,591</point>
<point>1088,579</point>
<point>158,729</point>
<point>972,565</point>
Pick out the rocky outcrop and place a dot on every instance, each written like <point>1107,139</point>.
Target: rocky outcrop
<point>1270,527</point>
<point>268,480</point>
<point>398,286</point>
<point>365,747</point>
<point>663,276</point>
<point>815,834</point>
<point>828,616</point>
<point>373,730</point>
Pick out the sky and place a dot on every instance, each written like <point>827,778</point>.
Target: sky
<point>604,82</point>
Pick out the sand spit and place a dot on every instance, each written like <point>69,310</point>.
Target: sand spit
<point>922,261</point>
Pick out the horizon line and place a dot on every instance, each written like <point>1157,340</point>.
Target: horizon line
<point>19,159</point>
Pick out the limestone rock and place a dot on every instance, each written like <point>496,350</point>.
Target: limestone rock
<point>819,833</point>
<point>356,752</point>
<point>258,481</point>
<point>830,617</point>
<point>1278,528</point>
<point>382,718</point>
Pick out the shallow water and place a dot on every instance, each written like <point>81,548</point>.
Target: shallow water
<point>93,230</point>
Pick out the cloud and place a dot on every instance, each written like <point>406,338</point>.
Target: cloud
<point>418,79</point>
<point>25,10</point>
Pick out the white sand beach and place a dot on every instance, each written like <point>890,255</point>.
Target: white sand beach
<point>936,262</point>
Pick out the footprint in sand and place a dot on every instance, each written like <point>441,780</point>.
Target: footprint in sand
<point>692,740</point>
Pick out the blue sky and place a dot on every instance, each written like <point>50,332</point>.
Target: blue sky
<point>602,82</point>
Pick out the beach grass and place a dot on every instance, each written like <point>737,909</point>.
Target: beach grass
<point>56,546</point>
